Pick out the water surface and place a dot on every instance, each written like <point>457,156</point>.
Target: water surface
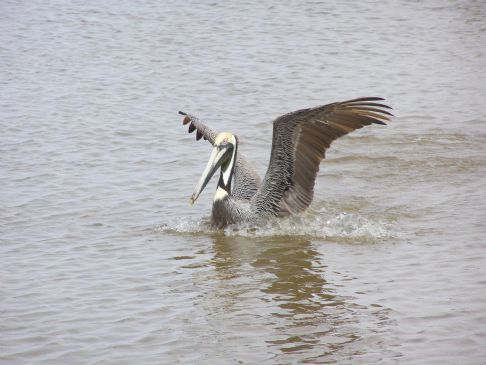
<point>103,261</point>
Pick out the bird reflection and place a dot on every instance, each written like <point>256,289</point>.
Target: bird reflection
<point>285,277</point>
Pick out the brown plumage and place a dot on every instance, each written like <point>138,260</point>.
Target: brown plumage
<point>300,141</point>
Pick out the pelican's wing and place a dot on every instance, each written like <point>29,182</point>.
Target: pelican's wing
<point>300,140</point>
<point>202,131</point>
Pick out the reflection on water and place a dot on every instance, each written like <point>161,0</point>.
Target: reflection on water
<point>305,300</point>
<point>289,290</point>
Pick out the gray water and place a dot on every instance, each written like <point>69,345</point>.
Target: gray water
<point>103,260</point>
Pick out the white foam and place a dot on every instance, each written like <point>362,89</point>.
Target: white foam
<point>321,224</point>
<point>185,225</point>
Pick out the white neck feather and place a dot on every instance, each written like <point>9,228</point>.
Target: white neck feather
<point>227,172</point>
<point>220,194</point>
<point>228,168</point>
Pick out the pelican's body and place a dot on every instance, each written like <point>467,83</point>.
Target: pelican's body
<point>300,140</point>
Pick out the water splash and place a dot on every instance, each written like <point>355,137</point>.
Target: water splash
<point>340,226</point>
<point>186,225</point>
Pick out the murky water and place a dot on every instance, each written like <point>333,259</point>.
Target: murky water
<point>103,261</point>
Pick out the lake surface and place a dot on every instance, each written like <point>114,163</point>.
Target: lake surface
<point>103,260</point>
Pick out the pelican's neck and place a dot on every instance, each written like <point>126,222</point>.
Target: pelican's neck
<point>226,176</point>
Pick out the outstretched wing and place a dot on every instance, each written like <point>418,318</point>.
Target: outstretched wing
<point>300,140</point>
<point>202,131</point>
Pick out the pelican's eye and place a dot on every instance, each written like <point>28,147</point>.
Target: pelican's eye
<point>224,142</point>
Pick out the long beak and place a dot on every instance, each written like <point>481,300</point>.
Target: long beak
<point>215,161</point>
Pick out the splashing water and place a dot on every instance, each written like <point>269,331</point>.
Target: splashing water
<point>340,226</point>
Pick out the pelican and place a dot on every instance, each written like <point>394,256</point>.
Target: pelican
<point>300,141</point>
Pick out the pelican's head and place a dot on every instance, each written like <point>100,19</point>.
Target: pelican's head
<point>223,155</point>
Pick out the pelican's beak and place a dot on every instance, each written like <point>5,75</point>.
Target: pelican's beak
<point>215,161</point>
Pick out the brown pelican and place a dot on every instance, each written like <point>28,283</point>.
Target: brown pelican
<point>300,140</point>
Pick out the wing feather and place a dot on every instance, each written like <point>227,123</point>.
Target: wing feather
<point>300,141</point>
<point>201,129</point>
